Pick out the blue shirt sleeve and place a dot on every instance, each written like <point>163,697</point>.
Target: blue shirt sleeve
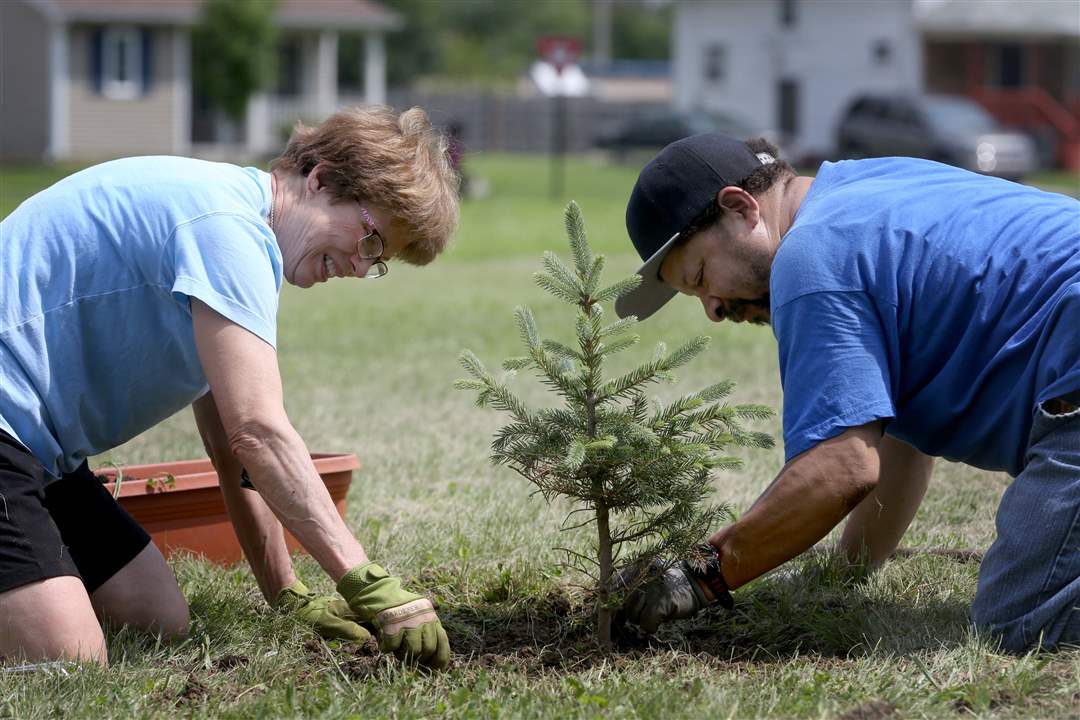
<point>223,259</point>
<point>834,366</point>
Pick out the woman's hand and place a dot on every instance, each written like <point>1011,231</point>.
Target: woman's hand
<point>329,615</point>
<point>405,623</point>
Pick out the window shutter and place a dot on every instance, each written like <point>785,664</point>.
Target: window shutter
<point>147,40</point>
<point>97,60</point>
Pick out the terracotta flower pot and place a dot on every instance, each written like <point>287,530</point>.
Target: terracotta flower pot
<point>188,512</point>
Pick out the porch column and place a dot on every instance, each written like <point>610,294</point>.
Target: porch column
<point>374,69</point>
<point>59,120</point>
<point>181,38</point>
<point>326,73</point>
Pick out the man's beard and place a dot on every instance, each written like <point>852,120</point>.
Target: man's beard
<point>752,311</point>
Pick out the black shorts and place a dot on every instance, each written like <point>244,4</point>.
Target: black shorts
<point>70,526</point>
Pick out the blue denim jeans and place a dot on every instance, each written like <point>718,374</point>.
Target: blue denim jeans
<point>1029,583</point>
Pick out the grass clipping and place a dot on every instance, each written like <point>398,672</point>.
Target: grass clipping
<point>639,470</point>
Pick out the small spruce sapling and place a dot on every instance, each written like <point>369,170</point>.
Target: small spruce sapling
<point>640,471</point>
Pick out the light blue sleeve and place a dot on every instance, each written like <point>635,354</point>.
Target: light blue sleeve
<point>227,261</point>
<point>834,366</point>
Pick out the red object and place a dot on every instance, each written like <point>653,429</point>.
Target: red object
<point>559,50</point>
<point>190,515</point>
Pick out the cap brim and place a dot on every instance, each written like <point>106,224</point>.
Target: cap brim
<point>653,293</point>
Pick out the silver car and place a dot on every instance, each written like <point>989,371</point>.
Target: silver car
<point>946,128</point>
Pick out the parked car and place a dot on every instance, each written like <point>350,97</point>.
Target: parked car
<point>654,130</point>
<point>946,128</point>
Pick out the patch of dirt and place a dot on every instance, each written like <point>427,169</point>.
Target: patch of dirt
<point>193,692</point>
<point>358,662</point>
<point>876,710</point>
<point>228,662</point>
<point>961,705</point>
<point>1001,699</point>
<point>538,635</point>
<point>555,632</point>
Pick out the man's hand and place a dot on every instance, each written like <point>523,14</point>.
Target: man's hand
<point>661,594</point>
<point>330,616</point>
<point>405,623</point>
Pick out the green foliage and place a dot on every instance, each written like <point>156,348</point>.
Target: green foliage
<point>641,31</point>
<point>649,473</point>
<point>495,40</point>
<point>234,51</point>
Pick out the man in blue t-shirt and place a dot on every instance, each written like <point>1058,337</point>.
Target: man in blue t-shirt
<point>920,310</point>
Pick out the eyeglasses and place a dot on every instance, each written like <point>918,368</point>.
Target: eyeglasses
<point>371,247</point>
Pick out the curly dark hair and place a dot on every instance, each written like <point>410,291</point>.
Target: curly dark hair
<point>756,183</point>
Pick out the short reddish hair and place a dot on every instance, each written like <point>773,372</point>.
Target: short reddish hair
<point>398,162</point>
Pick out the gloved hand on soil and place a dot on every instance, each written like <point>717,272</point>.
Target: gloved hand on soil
<point>329,615</point>
<point>661,594</point>
<point>405,623</point>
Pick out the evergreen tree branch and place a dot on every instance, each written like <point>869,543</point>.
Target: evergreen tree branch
<point>618,289</point>
<point>562,351</point>
<point>527,326</point>
<point>592,278</point>
<point>564,275</point>
<point>556,288</point>
<point>619,326</point>
<point>575,231</point>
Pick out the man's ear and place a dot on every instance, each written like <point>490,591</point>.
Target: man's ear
<point>736,200</point>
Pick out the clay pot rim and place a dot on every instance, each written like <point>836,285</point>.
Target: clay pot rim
<point>200,474</point>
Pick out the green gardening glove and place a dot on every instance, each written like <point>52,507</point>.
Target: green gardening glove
<point>330,616</point>
<point>405,623</point>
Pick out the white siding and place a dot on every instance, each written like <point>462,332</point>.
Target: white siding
<point>828,51</point>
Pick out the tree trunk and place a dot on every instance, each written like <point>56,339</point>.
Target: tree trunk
<point>603,591</point>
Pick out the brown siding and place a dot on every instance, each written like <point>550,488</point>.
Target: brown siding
<point>945,67</point>
<point>24,83</point>
<point>102,127</point>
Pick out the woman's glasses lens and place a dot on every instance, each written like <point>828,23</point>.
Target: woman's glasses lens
<point>377,270</point>
<point>370,246</point>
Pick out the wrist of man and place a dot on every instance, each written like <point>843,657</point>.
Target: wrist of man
<point>705,571</point>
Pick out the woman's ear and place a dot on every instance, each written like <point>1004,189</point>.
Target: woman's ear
<point>314,179</point>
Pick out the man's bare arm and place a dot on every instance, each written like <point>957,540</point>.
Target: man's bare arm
<point>259,532</point>
<point>809,497</point>
<point>875,527</point>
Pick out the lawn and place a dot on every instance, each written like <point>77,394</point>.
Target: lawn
<point>367,369</point>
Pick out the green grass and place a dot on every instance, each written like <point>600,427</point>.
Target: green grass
<point>367,369</point>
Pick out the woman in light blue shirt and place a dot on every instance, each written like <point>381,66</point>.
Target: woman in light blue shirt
<point>135,288</point>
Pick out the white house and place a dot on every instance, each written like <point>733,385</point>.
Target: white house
<point>91,79</point>
<point>794,66</point>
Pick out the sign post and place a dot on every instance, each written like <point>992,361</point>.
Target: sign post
<point>558,76</point>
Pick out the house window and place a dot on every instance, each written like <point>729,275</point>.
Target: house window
<point>122,61</point>
<point>787,13</point>
<point>715,63</point>
<point>882,52</point>
<point>1007,67</point>
<point>788,106</point>
<point>290,66</point>
<point>351,53</point>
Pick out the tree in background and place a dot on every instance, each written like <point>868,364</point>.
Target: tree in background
<point>638,472</point>
<point>641,31</point>
<point>234,52</point>
<point>495,40</point>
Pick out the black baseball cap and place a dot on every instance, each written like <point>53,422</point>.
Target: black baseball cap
<point>673,189</point>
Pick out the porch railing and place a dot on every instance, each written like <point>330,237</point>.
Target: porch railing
<point>1032,107</point>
